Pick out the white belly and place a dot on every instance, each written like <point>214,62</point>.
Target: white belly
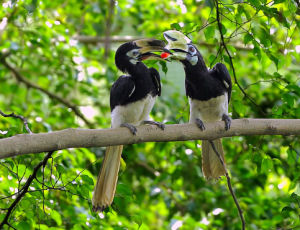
<point>133,113</point>
<point>211,110</point>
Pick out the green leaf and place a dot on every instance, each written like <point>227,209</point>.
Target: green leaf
<point>255,3</point>
<point>164,66</point>
<point>123,190</point>
<point>56,216</point>
<point>87,179</point>
<point>223,29</point>
<point>138,220</point>
<point>21,170</point>
<point>274,59</point>
<point>175,26</point>
<point>292,157</point>
<point>247,38</point>
<point>210,3</point>
<point>278,1</point>
<point>226,59</point>
<point>23,225</point>
<point>289,99</point>
<point>256,52</point>
<point>239,108</point>
<point>212,59</point>
<point>286,211</point>
<point>266,165</point>
<point>209,32</point>
<point>60,169</point>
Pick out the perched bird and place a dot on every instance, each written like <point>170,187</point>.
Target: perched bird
<point>208,92</point>
<point>132,97</point>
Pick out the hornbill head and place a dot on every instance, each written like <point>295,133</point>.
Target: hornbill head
<point>131,53</point>
<point>181,47</point>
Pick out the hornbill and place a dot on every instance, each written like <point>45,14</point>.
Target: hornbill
<point>208,92</point>
<point>132,97</point>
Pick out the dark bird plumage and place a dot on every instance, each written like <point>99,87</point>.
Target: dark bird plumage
<point>132,97</point>
<point>209,93</point>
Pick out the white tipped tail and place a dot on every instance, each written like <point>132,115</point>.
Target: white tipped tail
<point>211,165</point>
<point>105,188</point>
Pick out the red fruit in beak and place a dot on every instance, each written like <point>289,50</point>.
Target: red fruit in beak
<point>164,55</point>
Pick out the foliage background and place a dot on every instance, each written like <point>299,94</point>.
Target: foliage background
<point>161,185</point>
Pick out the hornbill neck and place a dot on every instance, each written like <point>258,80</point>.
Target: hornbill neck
<point>200,67</point>
<point>133,69</point>
<point>137,69</point>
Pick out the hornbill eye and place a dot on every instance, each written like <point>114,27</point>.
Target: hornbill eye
<point>192,49</point>
<point>135,53</point>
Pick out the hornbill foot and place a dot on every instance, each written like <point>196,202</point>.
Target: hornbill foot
<point>158,124</point>
<point>131,128</point>
<point>200,124</point>
<point>227,121</point>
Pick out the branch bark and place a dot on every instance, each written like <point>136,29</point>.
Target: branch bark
<point>84,138</point>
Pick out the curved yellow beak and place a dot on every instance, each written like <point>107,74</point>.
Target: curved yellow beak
<point>148,45</point>
<point>178,43</point>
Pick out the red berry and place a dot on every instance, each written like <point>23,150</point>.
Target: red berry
<point>164,55</point>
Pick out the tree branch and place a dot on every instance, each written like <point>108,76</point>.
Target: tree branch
<point>30,84</point>
<point>218,13</point>
<point>84,138</point>
<point>24,119</point>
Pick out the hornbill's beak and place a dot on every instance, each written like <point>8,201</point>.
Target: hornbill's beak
<point>148,46</point>
<point>177,43</point>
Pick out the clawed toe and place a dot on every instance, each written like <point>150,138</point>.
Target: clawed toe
<point>131,128</point>
<point>227,121</point>
<point>200,124</point>
<point>158,124</point>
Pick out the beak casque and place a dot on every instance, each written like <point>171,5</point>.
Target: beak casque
<point>147,46</point>
<point>177,43</point>
<point>176,40</point>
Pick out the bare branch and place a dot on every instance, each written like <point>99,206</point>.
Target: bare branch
<point>30,84</point>
<point>24,119</point>
<point>84,138</point>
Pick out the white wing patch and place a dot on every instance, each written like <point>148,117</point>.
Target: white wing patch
<point>226,84</point>
<point>132,91</point>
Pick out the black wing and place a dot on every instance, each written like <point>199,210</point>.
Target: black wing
<point>156,80</point>
<point>221,72</point>
<point>121,91</point>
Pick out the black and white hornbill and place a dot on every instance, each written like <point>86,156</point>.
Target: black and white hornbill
<point>132,97</point>
<point>208,92</point>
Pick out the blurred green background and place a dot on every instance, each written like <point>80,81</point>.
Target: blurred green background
<point>66,48</point>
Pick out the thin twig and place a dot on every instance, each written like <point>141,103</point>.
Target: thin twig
<point>24,189</point>
<point>25,121</point>
<point>230,57</point>
<point>229,185</point>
